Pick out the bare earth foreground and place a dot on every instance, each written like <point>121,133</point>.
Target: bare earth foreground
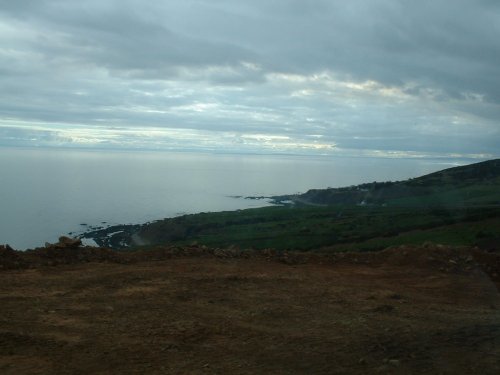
<point>407,310</point>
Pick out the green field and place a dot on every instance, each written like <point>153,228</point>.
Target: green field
<point>340,228</point>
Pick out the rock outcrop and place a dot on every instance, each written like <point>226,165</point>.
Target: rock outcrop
<point>65,243</point>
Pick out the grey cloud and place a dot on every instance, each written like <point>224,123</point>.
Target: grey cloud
<point>119,37</point>
<point>449,45</point>
<point>157,64</point>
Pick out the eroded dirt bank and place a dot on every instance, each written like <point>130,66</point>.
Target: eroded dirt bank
<point>198,313</point>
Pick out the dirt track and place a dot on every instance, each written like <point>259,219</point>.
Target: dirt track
<point>208,315</point>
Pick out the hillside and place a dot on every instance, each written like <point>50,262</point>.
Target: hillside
<point>232,292</point>
<point>470,185</point>
<point>457,206</point>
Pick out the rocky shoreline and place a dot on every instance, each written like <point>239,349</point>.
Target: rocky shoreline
<point>115,236</point>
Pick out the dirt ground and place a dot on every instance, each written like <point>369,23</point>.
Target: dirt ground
<point>213,315</point>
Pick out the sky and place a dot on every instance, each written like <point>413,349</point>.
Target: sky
<point>381,78</point>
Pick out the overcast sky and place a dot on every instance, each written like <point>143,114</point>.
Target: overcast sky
<point>358,77</point>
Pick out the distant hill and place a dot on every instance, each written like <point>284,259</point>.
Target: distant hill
<point>472,173</point>
<point>470,185</point>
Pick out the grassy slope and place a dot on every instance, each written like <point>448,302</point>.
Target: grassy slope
<point>457,206</point>
<point>305,228</point>
<point>475,184</point>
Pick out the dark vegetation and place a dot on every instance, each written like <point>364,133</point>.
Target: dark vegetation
<point>456,206</point>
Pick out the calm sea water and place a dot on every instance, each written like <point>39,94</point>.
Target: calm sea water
<point>45,193</point>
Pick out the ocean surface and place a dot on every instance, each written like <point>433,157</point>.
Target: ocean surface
<point>45,193</point>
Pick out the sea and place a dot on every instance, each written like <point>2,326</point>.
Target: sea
<point>45,193</point>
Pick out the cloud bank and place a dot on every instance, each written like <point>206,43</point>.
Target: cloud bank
<point>378,77</point>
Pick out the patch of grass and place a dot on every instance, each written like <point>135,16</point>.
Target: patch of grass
<point>461,234</point>
<point>306,228</point>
